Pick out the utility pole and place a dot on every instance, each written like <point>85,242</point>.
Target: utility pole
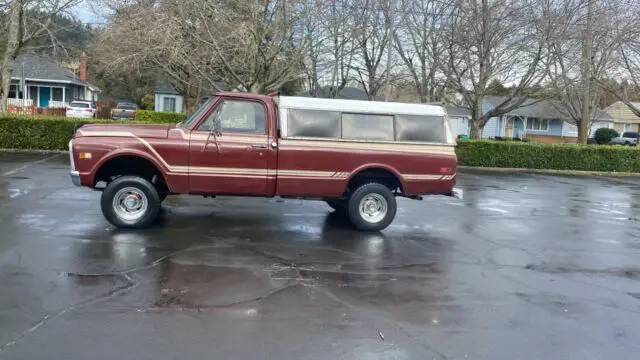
<point>586,74</point>
<point>392,16</point>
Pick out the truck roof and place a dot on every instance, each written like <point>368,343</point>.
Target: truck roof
<point>359,106</point>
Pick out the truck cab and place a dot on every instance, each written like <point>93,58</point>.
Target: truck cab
<point>355,155</point>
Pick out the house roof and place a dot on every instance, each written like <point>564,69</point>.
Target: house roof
<point>621,113</point>
<point>163,86</point>
<point>544,109</point>
<point>452,110</point>
<point>41,68</point>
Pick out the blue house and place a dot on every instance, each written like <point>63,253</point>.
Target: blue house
<point>39,81</point>
<point>536,120</point>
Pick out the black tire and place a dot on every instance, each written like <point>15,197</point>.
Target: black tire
<point>337,205</point>
<point>375,189</point>
<point>147,217</point>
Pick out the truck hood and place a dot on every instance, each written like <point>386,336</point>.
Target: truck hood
<point>116,130</point>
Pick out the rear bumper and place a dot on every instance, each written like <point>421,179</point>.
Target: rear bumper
<point>75,178</point>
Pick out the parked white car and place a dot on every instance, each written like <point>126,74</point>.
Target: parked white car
<point>628,138</point>
<point>81,109</point>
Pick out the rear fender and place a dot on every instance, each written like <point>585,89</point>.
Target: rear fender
<point>388,168</point>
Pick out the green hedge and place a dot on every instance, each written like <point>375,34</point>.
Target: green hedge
<point>154,117</point>
<point>47,133</point>
<point>41,132</point>
<point>513,154</point>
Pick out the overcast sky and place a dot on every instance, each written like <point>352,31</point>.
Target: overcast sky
<point>86,14</point>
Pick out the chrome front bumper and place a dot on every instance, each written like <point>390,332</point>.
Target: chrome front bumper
<point>75,178</point>
<point>75,175</point>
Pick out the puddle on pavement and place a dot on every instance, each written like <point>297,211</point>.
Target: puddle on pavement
<point>200,286</point>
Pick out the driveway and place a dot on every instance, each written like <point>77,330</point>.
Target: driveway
<point>525,267</point>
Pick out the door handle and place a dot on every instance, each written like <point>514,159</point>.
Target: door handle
<point>259,146</point>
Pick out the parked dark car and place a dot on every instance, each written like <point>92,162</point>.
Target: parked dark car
<point>124,111</point>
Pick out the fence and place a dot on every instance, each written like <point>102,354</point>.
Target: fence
<point>33,110</point>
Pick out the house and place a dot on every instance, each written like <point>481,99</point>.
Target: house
<point>458,118</point>
<point>48,85</point>
<point>167,98</point>
<point>537,120</point>
<point>623,118</point>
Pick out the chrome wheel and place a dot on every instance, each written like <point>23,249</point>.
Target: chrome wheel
<point>373,208</point>
<point>130,204</point>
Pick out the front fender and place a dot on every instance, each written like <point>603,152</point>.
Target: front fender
<point>125,152</point>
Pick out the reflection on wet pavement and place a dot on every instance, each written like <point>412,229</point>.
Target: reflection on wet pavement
<point>525,267</point>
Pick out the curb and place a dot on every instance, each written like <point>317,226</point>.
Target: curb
<point>550,171</point>
<point>34,151</point>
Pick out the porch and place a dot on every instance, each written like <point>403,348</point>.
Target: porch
<point>45,95</point>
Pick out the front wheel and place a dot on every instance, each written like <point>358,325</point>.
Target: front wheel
<point>372,207</point>
<point>130,202</point>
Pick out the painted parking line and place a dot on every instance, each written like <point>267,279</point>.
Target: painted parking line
<point>30,164</point>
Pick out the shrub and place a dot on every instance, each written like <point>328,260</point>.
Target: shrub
<point>511,154</point>
<point>148,102</point>
<point>159,117</point>
<point>605,135</point>
<point>40,132</point>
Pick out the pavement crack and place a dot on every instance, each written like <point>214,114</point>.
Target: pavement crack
<point>128,285</point>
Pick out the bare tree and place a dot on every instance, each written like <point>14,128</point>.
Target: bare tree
<point>623,22</point>
<point>419,44</point>
<point>330,29</point>
<point>567,76</point>
<point>27,20</point>
<point>254,46</point>
<point>373,19</point>
<point>495,39</point>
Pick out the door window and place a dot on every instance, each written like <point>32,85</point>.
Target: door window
<point>237,116</point>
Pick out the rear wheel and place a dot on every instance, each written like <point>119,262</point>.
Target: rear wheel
<point>372,207</point>
<point>130,202</point>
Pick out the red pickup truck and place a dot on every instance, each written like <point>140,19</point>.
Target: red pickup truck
<point>355,155</point>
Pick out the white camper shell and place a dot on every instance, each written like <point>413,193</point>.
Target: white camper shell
<point>369,121</point>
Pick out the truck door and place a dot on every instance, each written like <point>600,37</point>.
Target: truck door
<point>228,151</point>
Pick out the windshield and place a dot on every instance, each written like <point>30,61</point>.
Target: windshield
<point>196,115</point>
<point>127,106</point>
<point>79,105</point>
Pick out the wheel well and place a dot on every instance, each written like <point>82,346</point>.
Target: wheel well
<point>132,166</point>
<point>379,175</point>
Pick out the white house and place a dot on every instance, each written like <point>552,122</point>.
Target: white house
<point>167,98</point>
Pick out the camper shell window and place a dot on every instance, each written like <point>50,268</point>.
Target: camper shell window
<point>323,124</point>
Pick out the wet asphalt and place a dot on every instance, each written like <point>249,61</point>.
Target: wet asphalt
<point>525,267</point>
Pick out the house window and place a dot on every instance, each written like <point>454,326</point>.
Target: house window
<point>12,92</point>
<point>56,94</point>
<point>535,124</point>
<point>33,94</point>
<point>628,127</point>
<point>169,104</point>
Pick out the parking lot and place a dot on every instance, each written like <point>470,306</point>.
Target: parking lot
<point>524,267</point>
